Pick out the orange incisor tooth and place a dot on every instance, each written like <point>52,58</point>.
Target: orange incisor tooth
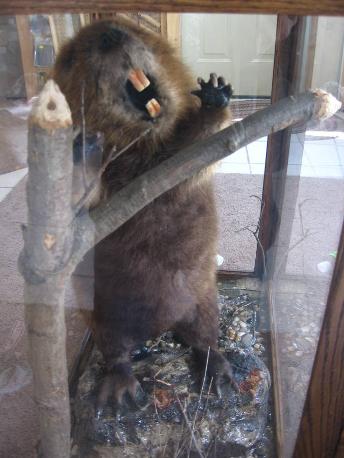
<point>138,79</point>
<point>143,78</point>
<point>153,108</point>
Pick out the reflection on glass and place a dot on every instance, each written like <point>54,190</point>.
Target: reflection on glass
<point>311,220</point>
<point>241,48</point>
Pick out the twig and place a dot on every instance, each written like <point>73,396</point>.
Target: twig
<point>157,414</point>
<point>208,395</point>
<point>307,234</point>
<point>200,399</point>
<point>256,231</point>
<point>190,429</point>
<point>300,214</point>
<point>94,183</point>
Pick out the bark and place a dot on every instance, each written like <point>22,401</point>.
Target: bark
<point>56,241</point>
<point>48,241</point>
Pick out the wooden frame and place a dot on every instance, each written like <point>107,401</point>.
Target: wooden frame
<point>300,7</point>
<point>321,430</point>
<point>31,73</point>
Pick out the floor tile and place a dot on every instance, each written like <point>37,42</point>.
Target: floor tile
<point>9,180</point>
<point>297,154</point>
<point>257,152</point>
<point>239,157</point>
<point>321,154</point>
<point>257,169</point>
<point>328,171</point>
<point>4,192</point>
<point>311,171</point>
<point>233,168</point>
<point>340,151</point>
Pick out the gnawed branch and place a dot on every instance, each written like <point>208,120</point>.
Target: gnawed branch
<point>122,206</point>
<point>48,241</point>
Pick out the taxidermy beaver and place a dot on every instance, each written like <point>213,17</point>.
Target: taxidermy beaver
<point>157,272</point>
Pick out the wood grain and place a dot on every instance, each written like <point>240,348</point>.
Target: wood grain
<point>321,426</point>
<point>340,447</point>
<point>299,7</point>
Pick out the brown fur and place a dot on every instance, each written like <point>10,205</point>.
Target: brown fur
<point>157,272</point>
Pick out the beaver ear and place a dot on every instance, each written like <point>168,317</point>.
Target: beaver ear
<point>66,57</point>
<point>109,39</point>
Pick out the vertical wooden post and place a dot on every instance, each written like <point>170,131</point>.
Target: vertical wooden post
<point>47,246</point>
<point>287,36</point>
<point>26,51</point>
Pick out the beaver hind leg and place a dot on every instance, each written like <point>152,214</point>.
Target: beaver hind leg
<point>201,334</point>
<point>117,384</point>
<point>116,342</point>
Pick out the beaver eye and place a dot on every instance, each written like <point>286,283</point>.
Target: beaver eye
<point>109,39</point>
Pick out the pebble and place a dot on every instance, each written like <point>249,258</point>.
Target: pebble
<point>231,334</point>
<point>310,339</point>
<point>247,340</point>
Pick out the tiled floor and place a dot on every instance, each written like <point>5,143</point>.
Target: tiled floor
<point>9,180</point>
<point>321,157</point>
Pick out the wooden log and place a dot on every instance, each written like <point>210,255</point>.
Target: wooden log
<point>48,240</point>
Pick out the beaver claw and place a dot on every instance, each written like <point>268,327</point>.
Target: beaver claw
<point>117,385</point>
<point>215,93</point>
<point>219,370</point>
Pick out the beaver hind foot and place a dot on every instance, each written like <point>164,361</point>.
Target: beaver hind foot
<point>118,385</point>
<point>216,368</point>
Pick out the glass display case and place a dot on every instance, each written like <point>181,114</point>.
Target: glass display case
<point>279,255</point>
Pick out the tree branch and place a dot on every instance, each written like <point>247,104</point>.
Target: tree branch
<point>48,241</point>
<point>122,206</point>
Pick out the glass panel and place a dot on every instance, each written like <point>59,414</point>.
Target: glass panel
<point>311,221</point>
<point>241,48</point>
<point>264,328</point>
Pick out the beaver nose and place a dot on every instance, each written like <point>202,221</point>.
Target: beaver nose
<point>110,38</point>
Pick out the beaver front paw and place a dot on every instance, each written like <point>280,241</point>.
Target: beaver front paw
<point>116,385</point>
<point>214,93</point>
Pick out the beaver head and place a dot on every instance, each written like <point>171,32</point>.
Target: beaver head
<point>125,79</point>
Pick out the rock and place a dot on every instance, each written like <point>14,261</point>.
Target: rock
<point>247,340</point>
<point>235,422</point>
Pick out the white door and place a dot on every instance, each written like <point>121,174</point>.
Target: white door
<point>328,72</point>
<point>237,46</point>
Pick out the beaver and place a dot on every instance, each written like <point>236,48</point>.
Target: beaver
<point>157,272</point>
